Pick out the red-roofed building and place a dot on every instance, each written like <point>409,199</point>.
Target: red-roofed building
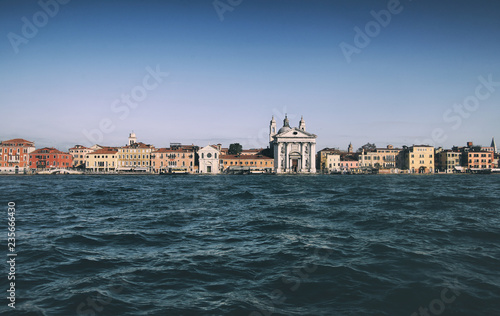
<point>50,158</point>
<point>176,159</point>
<point>79,153</point>
<point>480,160</point>
<point>102,160</point>
<point>15,155</point>
<point>135,157</point>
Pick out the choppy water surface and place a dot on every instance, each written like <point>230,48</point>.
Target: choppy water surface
<point>255,245</point>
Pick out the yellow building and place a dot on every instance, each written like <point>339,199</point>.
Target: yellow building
<point>102,160</point>
<point>250,163</point>
<point>419,159</point>
<point>135,157</point>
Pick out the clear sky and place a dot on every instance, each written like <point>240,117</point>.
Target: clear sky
<point>422,71</point>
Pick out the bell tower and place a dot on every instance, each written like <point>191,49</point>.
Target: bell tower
<point>302,124</point>
<point>132,139</point>
<point>272,129</point>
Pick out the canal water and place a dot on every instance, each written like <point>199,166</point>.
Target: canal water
<point>254,245</point>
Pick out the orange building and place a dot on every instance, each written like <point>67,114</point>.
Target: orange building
<point>50,158</point>
<point>178,159</point>
<point>15,154</point>
<point>251,163</point>
<point>480,160</point>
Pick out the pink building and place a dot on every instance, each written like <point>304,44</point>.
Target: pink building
<point>348,164</point>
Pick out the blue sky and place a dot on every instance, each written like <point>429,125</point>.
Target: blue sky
<point>226,78</point>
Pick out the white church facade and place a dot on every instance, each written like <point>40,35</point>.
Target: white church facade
<point>294,149</point>
<point>209,157</point>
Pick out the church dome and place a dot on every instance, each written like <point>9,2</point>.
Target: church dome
<point>286,125</point>
<point>284,129</point>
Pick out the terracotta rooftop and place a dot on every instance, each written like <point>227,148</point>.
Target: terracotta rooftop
<point>48,150</point>
<point>138,145</point>
<point>169,150</point>
<point>246,157</point>
<point>103,151</point>
<point>79,147</point>
<point>17,141</point>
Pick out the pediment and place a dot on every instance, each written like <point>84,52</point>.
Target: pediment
<point>208,149</point>
<point>296,133</point>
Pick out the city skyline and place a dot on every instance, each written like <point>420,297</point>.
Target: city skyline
<point>384,72</point>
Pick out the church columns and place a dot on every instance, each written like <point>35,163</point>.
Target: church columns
<point>280,156</point>
<point>312,160</point>
<point>287,157</point>
<point>292,140</point>
<point>303,155</point>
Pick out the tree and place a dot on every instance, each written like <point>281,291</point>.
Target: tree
<point>235,149</point>
<point>367,147</point>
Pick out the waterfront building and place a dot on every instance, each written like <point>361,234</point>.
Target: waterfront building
<point>79,153</point>
<point>418,159</point>
<point>102,160</point>
<point>381,158</point>
<point>209,159</point>
<point>480,159</point>
<point>348,164</point>
<point>176,159</point>
<point>247,162</point>
<point>448,161</point>
<point>294,149</point>
<point>135,157</point>
<point>15,155</point>
<point>50,158</point>
<point>321,158</point>
<point>332,163</point>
